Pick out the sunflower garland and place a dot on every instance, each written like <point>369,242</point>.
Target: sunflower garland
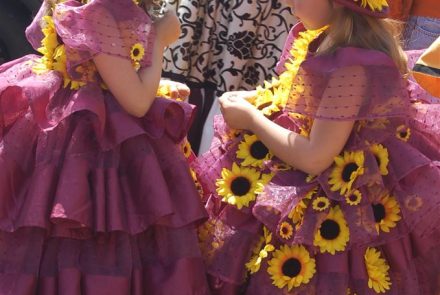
<point>333,233</point>
<point>260,252</point>
<point>55,58</point>
<point>253,152</point>
<point>386,213</point>
<point>240,185</point>
<point>381,155</point>
<point>273,96</point>
<point>377,269</point>
<point>347,168</point>
<point>291,267</point>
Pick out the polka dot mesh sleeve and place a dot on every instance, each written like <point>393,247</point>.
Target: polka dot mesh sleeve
<point>114,27</point>
<point>351,84</point>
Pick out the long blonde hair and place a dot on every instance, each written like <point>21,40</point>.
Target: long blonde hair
<point>349,28</point>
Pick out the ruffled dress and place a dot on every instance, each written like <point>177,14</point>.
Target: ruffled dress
<point>369,224</point>
<point>93,200</point>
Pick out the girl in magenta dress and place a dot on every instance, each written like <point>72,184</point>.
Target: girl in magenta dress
<point>96,193</point>
<point>326,180</point>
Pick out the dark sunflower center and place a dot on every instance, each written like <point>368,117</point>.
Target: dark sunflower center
<point>185,149</point>
<point>330,229</point>
<point>353,198</point>
<point>291,268</point>
<point>348,171</point>
<point>258,150</point>
<point>379,212</point>
<point>240,186</point>
<point>403,134</point>
<point>136,52</point>
<point>285,230</point>
<point>321,204</point>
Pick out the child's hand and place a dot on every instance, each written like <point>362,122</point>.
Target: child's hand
<point>176,89</point>
<point>247,95</point>
<point>168,28</point>
<point>237,112</point>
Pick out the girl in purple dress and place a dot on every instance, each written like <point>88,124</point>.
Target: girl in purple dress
<point>326,180</point>
<point>96,193</point>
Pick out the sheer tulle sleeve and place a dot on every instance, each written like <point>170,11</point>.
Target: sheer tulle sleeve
<point>115,27</point>
<point>351,84</point>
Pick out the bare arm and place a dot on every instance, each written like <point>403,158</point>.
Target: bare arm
<point>311,155</point>
<point>134,91</point>
<point>327,137</point>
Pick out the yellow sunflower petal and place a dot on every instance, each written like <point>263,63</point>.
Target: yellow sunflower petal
<point>347,168</point>
<point>321,204</point>
<point>377,269</point>
<point>291,266</point>
<point>386,213</point>
<point>137,52</point>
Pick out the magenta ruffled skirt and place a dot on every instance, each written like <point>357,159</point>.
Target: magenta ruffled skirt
<point>93,200</point>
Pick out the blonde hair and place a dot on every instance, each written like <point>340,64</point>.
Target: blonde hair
<point>349,28</point>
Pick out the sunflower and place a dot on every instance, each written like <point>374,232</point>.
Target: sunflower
<point>403,133</point>
<point>381,154</point>
<point>48,46</point>
<point>60,65</point>
<point>291,267</point>
<point>260,252</point>
<point>354,198</point>
<point>374,4</point>
<point>333,233</point>
<point>273,96</point>
<point>50,40</point>
<point>297,213</point>
<point>348,168</point>
<point>286,230</point>
<point>240,186</point>
<point>186,148</point>
<point>321,204</point>
<point>252,151</point>
<point>386,213</point>
<point>377,269</point>
<point>137,52</point>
